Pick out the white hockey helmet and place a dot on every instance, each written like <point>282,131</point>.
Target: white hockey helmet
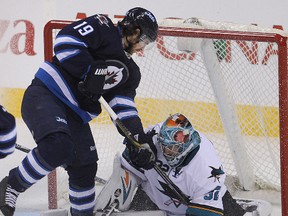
<point>177,139</point>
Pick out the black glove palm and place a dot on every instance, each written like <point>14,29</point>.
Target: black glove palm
<point>145,156</point>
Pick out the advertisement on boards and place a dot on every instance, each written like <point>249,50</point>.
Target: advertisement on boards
<point>22,23</point>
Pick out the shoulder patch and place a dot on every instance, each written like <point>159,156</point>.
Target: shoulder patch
<point>102,20</point>
<point>117,74</point>
<point>216,173</point>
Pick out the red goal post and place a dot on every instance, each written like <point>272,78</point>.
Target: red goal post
<point>247,43</point>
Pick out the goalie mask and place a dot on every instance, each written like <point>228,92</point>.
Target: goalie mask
<point>140,18</point>
<point>177,139</point>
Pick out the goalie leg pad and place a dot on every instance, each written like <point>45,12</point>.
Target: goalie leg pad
<point>120,187</point>
<point>136,213</point>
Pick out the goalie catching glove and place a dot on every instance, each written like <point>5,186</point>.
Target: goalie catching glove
<point>93,83</point>
<point>144,156</point>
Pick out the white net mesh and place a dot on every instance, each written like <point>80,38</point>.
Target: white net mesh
<point>170,85</point>
<point>175,78</point>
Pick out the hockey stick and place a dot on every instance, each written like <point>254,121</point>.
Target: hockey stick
<point>27,150</point>
<point>22,148</point>
<point>109,209</point>
<point>179,194</point>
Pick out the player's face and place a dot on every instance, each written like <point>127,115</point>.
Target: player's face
<point>181,137</point>
<point>136,42</point>
<point>173,150</point>
<point>137,47</point>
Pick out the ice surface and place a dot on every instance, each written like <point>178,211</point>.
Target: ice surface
<point>35,199</point>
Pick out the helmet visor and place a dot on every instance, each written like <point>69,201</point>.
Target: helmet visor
<point>145,42</point>
<point>180,138</point>
<point>145,39</point>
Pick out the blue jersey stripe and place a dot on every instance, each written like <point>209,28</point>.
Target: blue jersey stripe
<point>56,84</point>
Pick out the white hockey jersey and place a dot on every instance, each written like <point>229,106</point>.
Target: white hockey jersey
<point>202,180</point>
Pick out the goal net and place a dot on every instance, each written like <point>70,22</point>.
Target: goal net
<point>230,80</point>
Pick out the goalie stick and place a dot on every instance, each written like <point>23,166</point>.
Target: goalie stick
<point>27,150</point>
<point>22,148</point>
<point>109,209</point>
<point>179,194</point>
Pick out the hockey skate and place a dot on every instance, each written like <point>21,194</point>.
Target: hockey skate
<point>8,197</point>
<point>255,207</point>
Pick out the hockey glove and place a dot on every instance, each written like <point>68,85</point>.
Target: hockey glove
<point>7,128</point>
<point>145,156</point>
<point>93,83</point>
<point>7,120</point>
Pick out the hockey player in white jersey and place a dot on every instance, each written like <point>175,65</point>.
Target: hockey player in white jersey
<point>191,162</point>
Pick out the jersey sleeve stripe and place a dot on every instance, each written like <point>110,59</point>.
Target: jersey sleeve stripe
<point>122,101</point>
<point>66,54</point>
<point>68,40</point>
<point>57,85</point>
<point>127,114</point>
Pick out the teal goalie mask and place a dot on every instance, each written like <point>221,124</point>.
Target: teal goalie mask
<point>177,139</point>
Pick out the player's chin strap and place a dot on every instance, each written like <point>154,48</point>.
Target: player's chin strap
<point>177,192</point>
<point>27,150</point>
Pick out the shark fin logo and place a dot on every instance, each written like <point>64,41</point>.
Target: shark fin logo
<point>216,173</point>
<point>166,190</point>
<point>126,185</point>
